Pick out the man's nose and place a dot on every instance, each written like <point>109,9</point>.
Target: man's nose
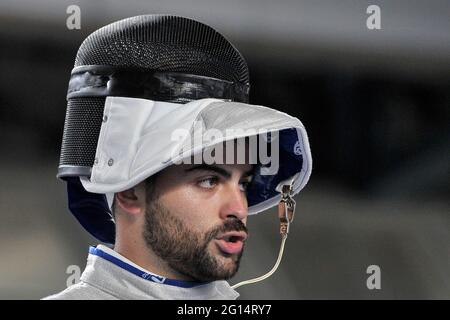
<point>234,203</point>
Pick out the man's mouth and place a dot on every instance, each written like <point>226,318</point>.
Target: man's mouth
<point>231,242</point>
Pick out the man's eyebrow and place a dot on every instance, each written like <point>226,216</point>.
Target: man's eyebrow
<point>250,172</point>
<point>221,171</point>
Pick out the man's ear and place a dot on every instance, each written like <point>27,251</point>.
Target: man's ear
<point>131,200</point>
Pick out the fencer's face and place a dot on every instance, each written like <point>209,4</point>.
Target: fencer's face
<point>197,221</point>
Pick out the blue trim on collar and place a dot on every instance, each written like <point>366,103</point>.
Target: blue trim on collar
<point>141,274</point>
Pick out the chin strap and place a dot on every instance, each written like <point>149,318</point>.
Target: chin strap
<point>286,209</point>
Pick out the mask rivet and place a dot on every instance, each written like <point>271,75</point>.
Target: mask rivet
<point>105,118</point>
<point>96,161</point>
<point>110,162</point>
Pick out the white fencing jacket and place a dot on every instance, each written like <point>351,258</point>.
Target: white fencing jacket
<point>110,276</point>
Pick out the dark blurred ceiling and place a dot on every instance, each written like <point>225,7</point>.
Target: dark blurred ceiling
<point>413,34</point>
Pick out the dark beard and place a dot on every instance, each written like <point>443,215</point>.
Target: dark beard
<point>184,250</point>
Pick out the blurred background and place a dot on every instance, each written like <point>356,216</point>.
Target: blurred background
<point>376,104</point>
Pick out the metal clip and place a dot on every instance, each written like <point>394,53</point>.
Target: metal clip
<point>286,209</point>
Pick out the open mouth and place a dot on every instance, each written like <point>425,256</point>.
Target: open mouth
<point>231,242</point>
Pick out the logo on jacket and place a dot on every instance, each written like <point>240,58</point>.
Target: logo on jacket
<point>154,278</point>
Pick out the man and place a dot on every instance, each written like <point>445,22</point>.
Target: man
<point>164,161</point>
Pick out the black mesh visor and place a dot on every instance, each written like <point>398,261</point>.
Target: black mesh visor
<point>168,51</point>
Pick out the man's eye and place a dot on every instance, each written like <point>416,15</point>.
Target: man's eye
<point>244,185</point>
<point>208,183</point>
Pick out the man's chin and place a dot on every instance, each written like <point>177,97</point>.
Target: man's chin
<point>227,264</point>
